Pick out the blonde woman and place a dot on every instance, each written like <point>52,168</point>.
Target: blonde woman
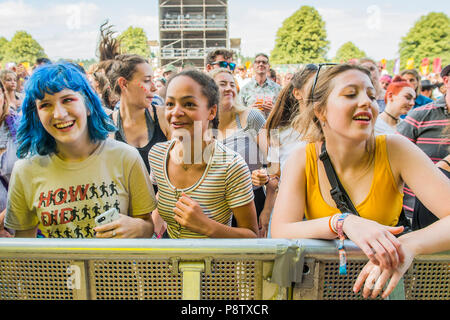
<point>9,80</point>
<point>338,121</point>
<point>239,129</point>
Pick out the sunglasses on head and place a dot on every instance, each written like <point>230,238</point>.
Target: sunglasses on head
<point>225,64</point>
<point>319,66</point>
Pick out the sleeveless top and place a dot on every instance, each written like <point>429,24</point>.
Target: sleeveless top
<point>383,203</point>
<point>155,135</point>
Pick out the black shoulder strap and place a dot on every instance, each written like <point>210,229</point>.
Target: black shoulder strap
<point>337,191</point>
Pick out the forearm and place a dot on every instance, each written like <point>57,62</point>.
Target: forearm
<point>218,230</point>
<point>308,229</point>
<point>432,239</point>
<point>30,233</point>
<point>146,226</point>
<point>271,195</point>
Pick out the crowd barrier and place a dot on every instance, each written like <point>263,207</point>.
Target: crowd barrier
<point>244,269</point>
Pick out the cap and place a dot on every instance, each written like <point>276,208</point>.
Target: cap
<point>426,84</point>
<point>445,71</point>
<point>169,68</point>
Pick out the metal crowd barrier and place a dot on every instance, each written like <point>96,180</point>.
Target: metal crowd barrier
<point>244,269</point>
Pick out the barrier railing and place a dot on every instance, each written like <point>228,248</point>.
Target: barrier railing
<point>244,269</point>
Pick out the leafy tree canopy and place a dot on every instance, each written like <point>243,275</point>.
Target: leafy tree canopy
<point>301,39</point>
<point>428,38</point>
<point>23,48</point>
<point>134,40</point>
<point>348,51</point>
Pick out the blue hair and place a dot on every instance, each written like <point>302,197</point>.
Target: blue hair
<point>32,138</point>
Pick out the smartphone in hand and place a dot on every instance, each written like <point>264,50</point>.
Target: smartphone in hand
<point>107,217</point>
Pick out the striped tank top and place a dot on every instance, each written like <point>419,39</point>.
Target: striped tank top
<point>225,184</point>
<point>383,203</point>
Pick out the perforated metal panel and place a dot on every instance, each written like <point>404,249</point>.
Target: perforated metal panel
<point>232,280</point>
<point>424,281</point>
<point>339,287</point>
<point>134,279</point>
<point>428,281</point>
<point>34,279</point>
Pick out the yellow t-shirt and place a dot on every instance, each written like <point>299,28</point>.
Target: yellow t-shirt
<point>65,197</point>
<point>383,203</point>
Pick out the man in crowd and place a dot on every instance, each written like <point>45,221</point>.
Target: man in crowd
<point>427,88</point>
<point>220,58</point>
<point>260,92</point>
<point>169,71</point>
<point>424,126</point>
<point>241,76</point>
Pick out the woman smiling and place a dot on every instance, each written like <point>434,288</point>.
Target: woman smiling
<point>65,177</point>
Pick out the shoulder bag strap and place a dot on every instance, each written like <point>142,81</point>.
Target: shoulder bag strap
<point>337,191</point>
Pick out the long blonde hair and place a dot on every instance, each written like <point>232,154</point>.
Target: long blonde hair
<point>5,107</point>
<point>237,106</point>
<point>306,122</point>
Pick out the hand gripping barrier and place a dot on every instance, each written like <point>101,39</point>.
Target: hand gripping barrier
<point>243,269</point>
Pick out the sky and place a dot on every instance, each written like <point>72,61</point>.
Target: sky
<point>70,29</point>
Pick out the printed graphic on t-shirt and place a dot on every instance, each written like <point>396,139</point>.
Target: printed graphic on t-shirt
<point>70,212</point>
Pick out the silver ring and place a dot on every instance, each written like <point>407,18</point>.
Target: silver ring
<point>114,233</point>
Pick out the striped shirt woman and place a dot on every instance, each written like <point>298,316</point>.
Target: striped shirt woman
<point>225,184</point>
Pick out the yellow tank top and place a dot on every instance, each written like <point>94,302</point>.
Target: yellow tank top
<point>383,203</point>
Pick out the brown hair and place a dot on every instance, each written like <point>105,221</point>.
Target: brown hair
<point>123,65</point>
<point>306,122</point>
<point>5,104</point>
<point>287,106</point>
<point>211,57</point>
<point>109,47</point>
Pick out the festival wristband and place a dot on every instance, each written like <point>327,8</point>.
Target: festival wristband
<point>342,253</point>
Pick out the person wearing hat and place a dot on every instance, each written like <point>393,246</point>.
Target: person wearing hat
<point>169,71</point>
<point>427,88</point>
<point>425,126</point>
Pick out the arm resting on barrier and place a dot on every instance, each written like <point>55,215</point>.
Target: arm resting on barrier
<point>30,233</point>
<point>432,239</point>
<point>376,240</point>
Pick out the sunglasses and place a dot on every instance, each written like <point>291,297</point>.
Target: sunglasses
<point>319,66</point>
<point>225,64</point>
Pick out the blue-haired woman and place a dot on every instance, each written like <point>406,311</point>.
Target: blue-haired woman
<point>69,172</point>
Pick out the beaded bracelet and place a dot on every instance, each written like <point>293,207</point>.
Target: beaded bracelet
<point>342,253</point>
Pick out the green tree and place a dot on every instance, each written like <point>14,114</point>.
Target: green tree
<point>23,48</point>
<point>3,45</point>
<point>428,38</point>
<point>301,39</point>
<point>134,40</point>
<point>347,52</point>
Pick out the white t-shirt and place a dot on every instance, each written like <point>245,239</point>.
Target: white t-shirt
<point>381,127</point>
<point>288,140</point>
<point>65,197</point>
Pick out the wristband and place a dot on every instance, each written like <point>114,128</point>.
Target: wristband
<point>331,223</point>
<point>342,253</point>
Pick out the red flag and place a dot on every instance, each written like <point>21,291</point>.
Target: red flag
<point>437,65</point>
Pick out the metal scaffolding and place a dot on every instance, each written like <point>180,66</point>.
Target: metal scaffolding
<point>189,29</point>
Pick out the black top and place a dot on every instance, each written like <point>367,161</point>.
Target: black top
<point>422,216</point>
<point>155,134</point>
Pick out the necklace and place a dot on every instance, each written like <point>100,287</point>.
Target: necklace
<point>390,115</point>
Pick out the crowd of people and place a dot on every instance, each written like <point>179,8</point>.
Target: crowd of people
<point>215,154</point>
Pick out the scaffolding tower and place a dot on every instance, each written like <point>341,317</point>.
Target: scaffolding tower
<point>189,29</point>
